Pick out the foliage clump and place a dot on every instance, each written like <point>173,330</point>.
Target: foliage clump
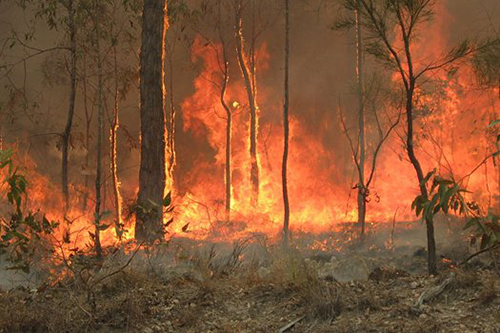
<point>23,234</point>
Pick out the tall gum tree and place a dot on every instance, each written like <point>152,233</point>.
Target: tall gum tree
<point>149,213</point>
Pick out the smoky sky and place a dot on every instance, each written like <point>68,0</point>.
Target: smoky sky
<point>322,70</point>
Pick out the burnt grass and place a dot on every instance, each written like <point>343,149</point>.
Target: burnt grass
<point>250,286</point>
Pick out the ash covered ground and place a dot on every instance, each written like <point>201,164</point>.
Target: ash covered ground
<point>324,283</point>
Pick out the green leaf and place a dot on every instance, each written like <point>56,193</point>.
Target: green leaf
<point>427,177</point>
<point>472,222</point>
<point>494,123</point>
<point>167,201</point>
<point>103,227</point>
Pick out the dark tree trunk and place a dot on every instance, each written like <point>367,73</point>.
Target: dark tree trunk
<point>254,168</point>
<point>113,155</point>
<point>71,108</point>
<point>88,123</point>
<point>286,204</point>
<point>171,125</point>
<point>429,223</point>
<point>228,130</point>
<point>100,129</point>
<point>361,126</point>
<point>152,169</point>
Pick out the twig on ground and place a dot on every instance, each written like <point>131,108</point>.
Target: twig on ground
<point>290,324</point>
<point>121,268</point>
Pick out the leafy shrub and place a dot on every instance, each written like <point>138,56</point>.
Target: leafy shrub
<point>21,233</point>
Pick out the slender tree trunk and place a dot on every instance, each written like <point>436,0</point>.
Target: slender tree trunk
<point>100,129</point>
<point>286,204</point>
<point>171,127</point>
<point>361,125</point>
<point>429,223</point>
<point>228,131</point>
<point>254,168</point>
<point>88,123</point>
<point>71,108</point>
<point>149,226</point>
<point>113,155</point>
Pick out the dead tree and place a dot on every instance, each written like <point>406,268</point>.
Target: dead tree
<point>362,190</point>
<point>100,129</point>
<point>250,89</point>
<point>286,130</point>
<point>71,106</point>
<point>115,124</point>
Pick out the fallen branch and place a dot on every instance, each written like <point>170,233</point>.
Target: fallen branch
<point>478,253</point>
<point>291,324</point>
<point>433,292</point>
<point>121,268</point>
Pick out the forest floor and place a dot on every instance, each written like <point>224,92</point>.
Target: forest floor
<point>252,287</point>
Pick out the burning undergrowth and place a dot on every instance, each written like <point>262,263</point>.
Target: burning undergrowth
<point>255,285</point>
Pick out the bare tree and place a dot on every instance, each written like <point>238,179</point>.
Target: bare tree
<point>250,89</point>
<point>229,116</point>
<point>152,169</point>
<point>71,106</point>
<point>115,124</point>
<point>286,130</point>
<point>362,191</point>
<point>95,14</point>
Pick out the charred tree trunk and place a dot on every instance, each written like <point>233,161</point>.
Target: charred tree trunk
<point>152,169</point>
<point>286,204</point>
<point>225,80</point>
<point>71,108</point>
<point>242,61</point>
<point>88,123</point>
<point>361,126</point>
<point>113,155</point>
<point>172,113</point>
<point>100,128</point>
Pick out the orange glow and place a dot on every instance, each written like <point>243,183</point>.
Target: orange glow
<point>452,135</point>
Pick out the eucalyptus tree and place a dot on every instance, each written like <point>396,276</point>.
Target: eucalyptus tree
<point>390,24</point>
<point>149,214</point>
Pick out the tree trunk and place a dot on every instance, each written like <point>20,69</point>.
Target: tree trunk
<point>429,223</point>
<point>113,156</point>
<point>100,128</point>
<point>254,168</point>
<point>149,225</point>
<point>361,126</point>
<point>228,130</point>
<point>171,127</point>
<point>71,108</point>
<point>286,204</point>
<point>88,123</point>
